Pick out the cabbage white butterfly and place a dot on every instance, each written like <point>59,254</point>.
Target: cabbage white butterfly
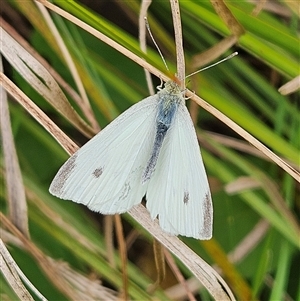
<point>149,150</point>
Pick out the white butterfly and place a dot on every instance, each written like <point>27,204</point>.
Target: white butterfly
<point>151,149</point>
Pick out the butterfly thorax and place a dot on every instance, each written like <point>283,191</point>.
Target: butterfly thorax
<point>168,100</point>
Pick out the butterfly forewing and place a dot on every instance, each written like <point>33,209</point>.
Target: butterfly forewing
<point>105,174</point>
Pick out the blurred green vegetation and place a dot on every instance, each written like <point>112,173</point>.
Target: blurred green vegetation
<point>244,88</point>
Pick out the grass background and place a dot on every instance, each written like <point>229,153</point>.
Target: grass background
<point>256,203</point>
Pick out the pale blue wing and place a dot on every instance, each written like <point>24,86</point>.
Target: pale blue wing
<point>178,191</point>
<point>105,174</point>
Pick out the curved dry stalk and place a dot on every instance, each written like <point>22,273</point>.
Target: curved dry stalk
<point>245,246</point>
<point>176,271</point>
<point>41,259</point>
<point>239,145</point>
<point>178,42</point>
<point>85,104</point>
<point>207,56</point>
<point>38,114</point>
<point>291,86</point>
<point>142,38</point>
<point>40,79</point>
<point>12,274</point>
<point>15,189</point>
<point>212,281</point>
<point>57,77</point>
<point>123,256</point>
<point>106,40</point>
<point>228,18</point>
<point>243,133</point>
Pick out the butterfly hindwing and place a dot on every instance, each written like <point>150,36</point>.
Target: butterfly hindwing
<point>178,191</point>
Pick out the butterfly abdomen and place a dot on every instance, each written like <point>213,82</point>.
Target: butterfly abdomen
<point>167,108</point>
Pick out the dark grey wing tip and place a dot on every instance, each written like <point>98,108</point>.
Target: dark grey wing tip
<point>57,186</point>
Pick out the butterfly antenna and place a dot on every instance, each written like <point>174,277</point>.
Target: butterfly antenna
<point>217,63</point>
<point>152,38</point>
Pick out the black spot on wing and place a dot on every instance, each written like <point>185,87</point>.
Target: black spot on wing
<point>98,172</point>
<point>186,197</point>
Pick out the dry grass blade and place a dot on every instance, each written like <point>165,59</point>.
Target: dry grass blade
<point>241,184</point>
<point>86,288</point>
<point>249,242</point>
<point>15,189</point>
<point>216,286</point>
<point>214,52</point>
<point>272,6</point>
<point>291,86</point>
<point>142,39</point>
<point>275,117</point>
<point>85,105</point>
<point>57,77</point>
<point>239,145</point>
<point>179,42</point>
<point>259,7</point>
<point>233,143</point>
<point>239,130</point>
<point>158,251</point>
<point>238,284</point>
<point>235,256</point>
<point>9,238</point>
<point>246,183</point>
<point>105,39</point>
<point>109,239</point>
<point>294,6</point>
<point>271,189</point>
<point>10,271</point>
<point>225,14</point>
<point>59,221</point>
<point>43,261</point>
<point>38,114</point>
<point>279,202</point>
<point>123,256</point>
<point>178,275</point>
<point>41,80</point>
